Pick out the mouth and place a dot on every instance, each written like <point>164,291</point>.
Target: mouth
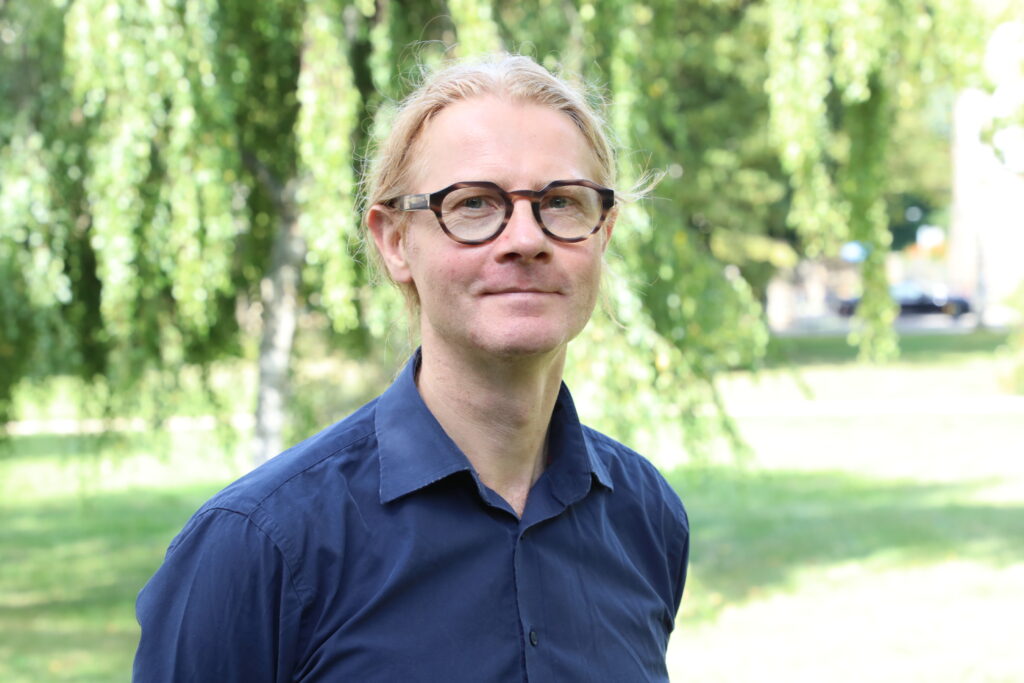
<point>520,290</point>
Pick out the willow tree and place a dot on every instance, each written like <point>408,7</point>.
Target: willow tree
<point>840,74</point>
<point>771,123</point>
<point>773,120</point>
<point>165,164</point>
<point>168,164</point>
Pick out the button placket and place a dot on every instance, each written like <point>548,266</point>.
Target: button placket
<point>529,631</point>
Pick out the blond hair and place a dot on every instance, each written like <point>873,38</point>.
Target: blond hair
<point>514,77</point>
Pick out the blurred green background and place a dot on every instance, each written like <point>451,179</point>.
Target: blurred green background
<point>179,207</point>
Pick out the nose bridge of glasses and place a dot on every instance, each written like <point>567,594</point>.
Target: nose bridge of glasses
<point>531,197</point>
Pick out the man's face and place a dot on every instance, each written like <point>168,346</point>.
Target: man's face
<point>522,293</point>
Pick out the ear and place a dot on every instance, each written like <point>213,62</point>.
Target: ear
<point>389,236</point>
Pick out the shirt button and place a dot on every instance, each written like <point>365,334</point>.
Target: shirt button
<point>533,638</point>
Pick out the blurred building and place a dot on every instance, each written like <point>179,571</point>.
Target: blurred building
<point>986,240</point>
<point>807,295</point>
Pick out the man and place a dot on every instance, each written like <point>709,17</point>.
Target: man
<point>464,526</point>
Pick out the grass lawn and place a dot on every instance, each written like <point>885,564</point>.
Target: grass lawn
<point>918,348</point>
<point>83,524</point>
<point>878,534</point>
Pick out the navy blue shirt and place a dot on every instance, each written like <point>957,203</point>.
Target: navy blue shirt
<point>373,552</point>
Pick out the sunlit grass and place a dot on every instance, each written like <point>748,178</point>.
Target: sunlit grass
<point>48,467</point>
<point>878,534</point>
<point>951,621</point>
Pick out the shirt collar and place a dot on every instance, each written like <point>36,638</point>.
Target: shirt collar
<point>415,451</point>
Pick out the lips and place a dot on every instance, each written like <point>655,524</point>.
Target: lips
<point>521,290</point>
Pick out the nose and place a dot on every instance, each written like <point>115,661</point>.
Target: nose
<point>523,237</point>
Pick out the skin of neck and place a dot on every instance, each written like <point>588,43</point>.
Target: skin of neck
<point>496,410</point>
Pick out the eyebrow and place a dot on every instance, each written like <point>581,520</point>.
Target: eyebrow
<point>513,187</point>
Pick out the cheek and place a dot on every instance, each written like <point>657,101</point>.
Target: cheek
<point>591,283</point>
<point>451,270</point>
<point>590,268</point>
<point>436,276</point>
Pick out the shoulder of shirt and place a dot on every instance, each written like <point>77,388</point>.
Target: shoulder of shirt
<point>343,440</point>
<point>634,475</point>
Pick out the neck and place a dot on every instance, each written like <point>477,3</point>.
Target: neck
<point>497,411</point>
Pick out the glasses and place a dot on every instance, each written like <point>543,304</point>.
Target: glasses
<point>476,212</point>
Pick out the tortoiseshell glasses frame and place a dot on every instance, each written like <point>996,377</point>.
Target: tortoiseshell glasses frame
<point>588,209</point>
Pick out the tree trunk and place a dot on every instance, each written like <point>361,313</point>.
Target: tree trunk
<point>279,297</point>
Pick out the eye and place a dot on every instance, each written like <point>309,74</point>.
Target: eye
<point>559,203</point>
<point>565,201</point>
<point>473,203</point>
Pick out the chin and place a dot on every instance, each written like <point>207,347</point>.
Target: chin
<point>525,343</point>
<point>523,350</point>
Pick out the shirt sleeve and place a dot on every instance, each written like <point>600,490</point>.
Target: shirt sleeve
<point>676,534</point>
<point>223,607</point>
<point>684,561</point>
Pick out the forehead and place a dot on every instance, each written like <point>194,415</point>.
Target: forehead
<point>517,145</point>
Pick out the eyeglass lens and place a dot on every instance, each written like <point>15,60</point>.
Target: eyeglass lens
<point>476,213</point>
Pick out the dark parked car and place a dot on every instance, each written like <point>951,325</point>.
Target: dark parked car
<point>915,300</point>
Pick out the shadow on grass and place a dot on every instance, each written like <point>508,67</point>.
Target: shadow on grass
<point>914,348</point>
<point>753,531</point>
